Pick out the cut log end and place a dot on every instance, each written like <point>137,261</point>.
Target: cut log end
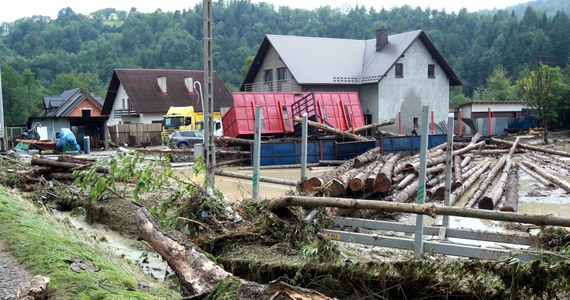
<point>382,183</point>
<point>486,203</point>
<point>355,185</point>
<point>310,185</point>
<point>336,188</point>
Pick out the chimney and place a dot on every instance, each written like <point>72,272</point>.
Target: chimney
<point>161,80</point>
<point>381,38</point>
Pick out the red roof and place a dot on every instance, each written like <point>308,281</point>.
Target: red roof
<point>341,110</point>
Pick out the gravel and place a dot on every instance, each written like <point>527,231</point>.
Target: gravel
<point>12,275</point>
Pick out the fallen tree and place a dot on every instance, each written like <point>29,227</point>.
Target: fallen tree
<point>200,275</point>
<point>533,148</point>
<point>425,209</point>
<point>333,130</point>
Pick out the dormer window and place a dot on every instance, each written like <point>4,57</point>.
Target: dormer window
<point>189,84</point>
<point>161,81</point>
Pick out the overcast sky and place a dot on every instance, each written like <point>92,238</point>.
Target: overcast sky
<point>24,8</point>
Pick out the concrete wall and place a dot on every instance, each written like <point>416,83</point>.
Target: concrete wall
<point>415,89</point>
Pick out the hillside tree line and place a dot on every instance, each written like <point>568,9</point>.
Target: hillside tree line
<point>490,52</point>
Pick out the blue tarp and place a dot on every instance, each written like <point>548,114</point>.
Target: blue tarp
<point>67,141</point>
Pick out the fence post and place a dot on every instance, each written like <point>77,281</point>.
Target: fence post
<point>419,235</point>
<point>256,152</point>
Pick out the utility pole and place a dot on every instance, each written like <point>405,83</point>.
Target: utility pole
<point>2,128</point>
<point>209,145</point>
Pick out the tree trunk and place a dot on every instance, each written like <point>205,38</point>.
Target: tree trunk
<point>366,157</point>
<point>486,182</point>
<point>533,148</point>
<point>490,200</point>
<point>512,191</point>
<point>337,186</point>
<point>431,161</point>
<point>64,165</point>
<point>233,141</point>
<point>556,180</point>
<point>468,148</point>
<point>458,193</point>
<point>261,178</point>
<point>425,209</point>
<point>311,185</point>
<point>437,191</point>
<point>457,177</point>
<point>537,176</point>
<point>199,274</point>
<point>358,182</point>
<point>373,125</point>
<point>383,181</point>
<point>408,193</point>
<point>333,130</point>
<point>406,180</point>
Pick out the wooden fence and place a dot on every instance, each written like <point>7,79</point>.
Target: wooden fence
<point>137,135</point>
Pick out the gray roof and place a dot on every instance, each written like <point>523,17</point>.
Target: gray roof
<point>315,60</point>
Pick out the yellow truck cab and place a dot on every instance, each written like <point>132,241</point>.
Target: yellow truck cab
<point>185,118</point>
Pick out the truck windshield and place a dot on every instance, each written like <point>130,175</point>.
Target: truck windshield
<point>172,122</point>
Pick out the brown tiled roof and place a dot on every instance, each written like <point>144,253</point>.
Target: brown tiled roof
<point>146,97</point>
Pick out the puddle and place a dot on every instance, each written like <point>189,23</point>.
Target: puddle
<point>135,251</point>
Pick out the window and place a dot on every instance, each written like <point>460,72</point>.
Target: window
<point>416,125</point>
<point>282,73</point>
<point>431,71</point>
<point>268,75</point>
<point>399,68</point>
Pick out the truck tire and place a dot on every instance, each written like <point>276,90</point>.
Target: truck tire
<point>183,145</point>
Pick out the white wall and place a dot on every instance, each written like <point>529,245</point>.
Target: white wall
<point>415,89</point>
<point>53,126</point>
<point>118,104</point>
<point>273,61</point>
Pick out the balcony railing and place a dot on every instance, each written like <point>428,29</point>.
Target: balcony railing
<point>288,85</point>
<point>129,112</point>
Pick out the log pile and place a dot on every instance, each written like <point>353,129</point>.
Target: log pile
<point>491,171</point>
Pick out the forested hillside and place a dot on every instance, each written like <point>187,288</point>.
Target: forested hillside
<point>40,55</point>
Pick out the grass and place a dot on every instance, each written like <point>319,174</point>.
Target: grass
<point>42,245</point>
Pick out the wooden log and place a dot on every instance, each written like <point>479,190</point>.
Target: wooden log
<point>457,177</point>
<point>425,209</point>
<point>512,191</point>
<point>431,161</point>
<point>261,178</point>
<point>467,183</point>
<point>533,148</point>
<point>494,152</point>
<point>199,274</point>
<point>406,180</point>
<point>373,125</point>
<point>490,199</point>
<point>333,130</point>
<point>231,161</point>
<point>75,159</point>
<point>366,157</point>
<point>311,185</point>
<point>292,166</point>
<point>62,176</point>
<point>468,148</point>
<point>380,133</point>
<point>435,180</point>
<point>561,183</point>
<point>232,140</point>
<point>358,182</point>
<point>514,147</point>
<point>550,160</point>
<point>369,183</point>
<point>437,191</point>
<point>413,162</point>
<point>64,165</point>
<point>331,162</point>
<point>537,176</point>
<point>337,186</point>
<point>383,179</point>
<point>407,193</point>
<point>484,184</point>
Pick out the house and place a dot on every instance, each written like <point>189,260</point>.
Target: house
<point>75,109</point>
<point>145,95</point>
<point>503,116</point>
<point>391,73</point>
